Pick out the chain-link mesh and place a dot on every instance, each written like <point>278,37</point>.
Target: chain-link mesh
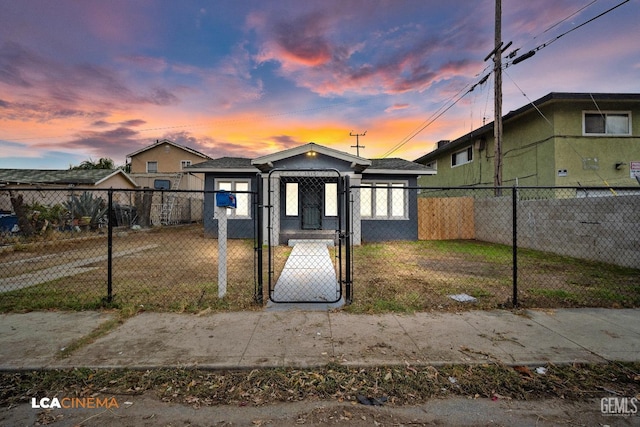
<point>164,254</point>
<point>415,248</point>
<point>573,247</point>
<point>305,216</point>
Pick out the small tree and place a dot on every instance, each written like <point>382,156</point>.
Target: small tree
<point>103,163</point>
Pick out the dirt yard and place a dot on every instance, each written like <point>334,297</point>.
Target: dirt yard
<point>175,268</point>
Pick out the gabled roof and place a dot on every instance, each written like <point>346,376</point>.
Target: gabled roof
<point>302,149</point>
<point>166,141</point>
<point>512,115</point>
<point>360,164</point>
<point>60,177</point>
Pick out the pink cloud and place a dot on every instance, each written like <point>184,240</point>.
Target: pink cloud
<point>396,107</point>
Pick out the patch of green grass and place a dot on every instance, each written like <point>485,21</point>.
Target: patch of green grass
<point>560,294</point>
<point>607,295</point>
<point>489,251</point>
<point>480,293</point>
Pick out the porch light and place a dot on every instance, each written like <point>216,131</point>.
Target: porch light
<point>311,153</point>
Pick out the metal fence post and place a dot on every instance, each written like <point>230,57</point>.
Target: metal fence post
<point>259,211</point>
<point>347,242</point>
<point>110,216</point>
<point>514,198</point>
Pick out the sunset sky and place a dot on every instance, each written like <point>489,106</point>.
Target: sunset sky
<point>89,79</point>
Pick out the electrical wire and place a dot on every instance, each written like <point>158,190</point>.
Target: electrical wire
<point>533,51</point>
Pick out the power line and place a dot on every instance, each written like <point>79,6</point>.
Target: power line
<point>533,51</point>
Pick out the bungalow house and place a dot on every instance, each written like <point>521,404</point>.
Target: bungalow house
<point>301,197</point>
<point>67,179</point>
<point>561,139</point>
<point>162,166</point>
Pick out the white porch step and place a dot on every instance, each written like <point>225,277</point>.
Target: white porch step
<point>293,242</point>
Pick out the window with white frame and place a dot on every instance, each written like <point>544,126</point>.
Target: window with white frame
<point>184,163</point>
<point>152,167</point>
<point>606,123</point>
<point>243,200</point>
<point>384,200</point>
<point>291,199</point>
<point>331,199</point>
<point>462,157</point>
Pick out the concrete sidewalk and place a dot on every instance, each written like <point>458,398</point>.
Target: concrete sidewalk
<point>307,338</point>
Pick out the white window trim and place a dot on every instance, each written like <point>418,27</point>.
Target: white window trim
<point>294,199</point>
<point>605,113</point>
<point>460,151</point>
<point>389,184</point>
<point>185,163</point>
<point>152,161</point>
<point>232,213</point>
<point>330,199</point>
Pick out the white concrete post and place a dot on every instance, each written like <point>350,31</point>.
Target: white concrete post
<point>221,215</point>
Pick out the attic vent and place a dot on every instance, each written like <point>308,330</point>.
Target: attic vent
<point>443,142</point>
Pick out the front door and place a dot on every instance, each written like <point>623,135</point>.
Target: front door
<point>311,207</point>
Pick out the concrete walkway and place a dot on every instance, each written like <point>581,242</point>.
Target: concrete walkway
<point>304,339</point>
<point>308,275</point>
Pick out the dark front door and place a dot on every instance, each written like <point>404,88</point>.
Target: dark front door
<point>311,208</point>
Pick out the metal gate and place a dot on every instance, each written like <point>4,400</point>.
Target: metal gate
<point>308,235</point>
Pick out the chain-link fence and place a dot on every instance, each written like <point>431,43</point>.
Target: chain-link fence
<point>487,248</point>
<point>415,248</point>
<point>67,249</point>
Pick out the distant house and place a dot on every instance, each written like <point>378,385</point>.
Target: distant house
<point>162,166</point>
<point>561,139</point>
<point>64,180</point>
<point>301,186</point>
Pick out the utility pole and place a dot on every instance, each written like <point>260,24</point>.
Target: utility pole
<point>497,124</point>
<point>357,146</point>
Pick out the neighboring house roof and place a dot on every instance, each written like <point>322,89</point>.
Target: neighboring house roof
<point>551,97</point>
<point>375,166</point>
<point>397,166</point>
<point>225,164</point>
<point>60,177</point>
<point>166,141</point>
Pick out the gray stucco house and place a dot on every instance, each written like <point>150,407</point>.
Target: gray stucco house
<point>300,194</point>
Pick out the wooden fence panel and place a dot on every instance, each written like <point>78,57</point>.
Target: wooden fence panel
<point>448,218</point>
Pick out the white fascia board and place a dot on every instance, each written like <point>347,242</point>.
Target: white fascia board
<point>296,151</point>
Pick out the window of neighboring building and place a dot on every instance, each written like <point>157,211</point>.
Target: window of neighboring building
<point>433,165</point>
<point>461,157</point>
<point>243,200</point>
<point>152,167</point>
<point>291,199</point>
<point>331,199</point>
<point>162,184</point>
<point>384,200</point>
<point>184,163</point>
<point>606,123</point>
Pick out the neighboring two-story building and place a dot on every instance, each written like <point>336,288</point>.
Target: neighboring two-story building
<point>161,166</point>
<point>561,139</point>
